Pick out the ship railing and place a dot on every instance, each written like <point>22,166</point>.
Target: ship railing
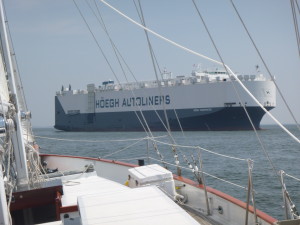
<point>190,170</point>
<point>290,210</point>
<point>269,104</point>
<point>195,167</point>
<point>71,92</point>
<point>147,139</point>
<point>179,80</point>
<point>156,139</point>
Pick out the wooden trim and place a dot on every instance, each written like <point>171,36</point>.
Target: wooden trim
<point>68,209</point>
<point>93,159</point>
<point>35,198</point>
<point>58,205</point>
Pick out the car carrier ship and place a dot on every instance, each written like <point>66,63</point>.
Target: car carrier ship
<point>205,100</point>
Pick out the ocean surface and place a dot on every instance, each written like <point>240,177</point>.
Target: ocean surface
<point>229,175</point>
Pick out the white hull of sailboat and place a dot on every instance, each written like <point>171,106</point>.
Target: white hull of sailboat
<point>224,209</point>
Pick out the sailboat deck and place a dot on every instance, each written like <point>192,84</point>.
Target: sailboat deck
<point>101,200</point>
<point>87,183</point>
<point>201,219</point>
<point>145,205</point>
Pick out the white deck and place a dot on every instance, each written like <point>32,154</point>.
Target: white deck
<point>145,205</point>
<point>102,201</point>
<point>87,183</point>
<point>52,223</point>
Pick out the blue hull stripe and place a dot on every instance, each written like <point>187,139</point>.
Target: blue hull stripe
<point>223,118</point>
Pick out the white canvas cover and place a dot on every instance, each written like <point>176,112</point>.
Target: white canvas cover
<point>4,94</point>
<point>86,184</point>
<point>145,205</point>
<point>150,174</point>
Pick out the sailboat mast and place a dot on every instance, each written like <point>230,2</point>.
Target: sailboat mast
<point>15,122</point>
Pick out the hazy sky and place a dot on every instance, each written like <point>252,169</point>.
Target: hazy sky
<point>54,46</point>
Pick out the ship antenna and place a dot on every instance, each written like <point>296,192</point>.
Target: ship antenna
<point>257,69</point>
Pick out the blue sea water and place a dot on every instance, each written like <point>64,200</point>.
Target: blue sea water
<point>282,150</point>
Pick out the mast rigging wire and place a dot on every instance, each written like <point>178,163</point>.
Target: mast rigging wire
<point>264,150</point>
<point>205,57</point>
<point>110,154</point>
<point>115,51</point>
<point>153,59</point>
<point>221,59</point>
<point>297,6</point>
<point>141,15</point>
<point>264,62</point>
<point>95,39</point>
<point>207,174</point>
<point>142,19</point>
<point>101,141</point>
<point>295,178</point>
<point>118,54</point>
<point>203,149</point>
<point>295,24</point>
<point>272,78</point>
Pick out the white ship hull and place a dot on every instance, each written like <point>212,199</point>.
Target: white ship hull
<point>198,106</point>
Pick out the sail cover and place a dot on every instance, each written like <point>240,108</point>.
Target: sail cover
<point>4,94</point>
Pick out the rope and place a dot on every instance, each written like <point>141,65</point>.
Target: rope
<point>105,156</point>
<point>117,52</point>
<point>265,64</point>
<point>97,43</point>
<point>226,181</point>
<point>158,35</point>
<point>150,46</point>
<point>148,131</point>
<point>153,64</point>
<point>130,159</point>
<point>292,177</point>
<point>239,97</point>
<point>205,57</point>
<point>191,170</point>
<point>173,145</point>
<point>102,141</point>
<point>73,182</point>
<point>297,6</point>
<point>206,150</point>
<point>296,24</point>
<point>179,123</point>
<point>154,59</point>
<point>272,78</point>
<point>223,64</point>
<point>233,85</point>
